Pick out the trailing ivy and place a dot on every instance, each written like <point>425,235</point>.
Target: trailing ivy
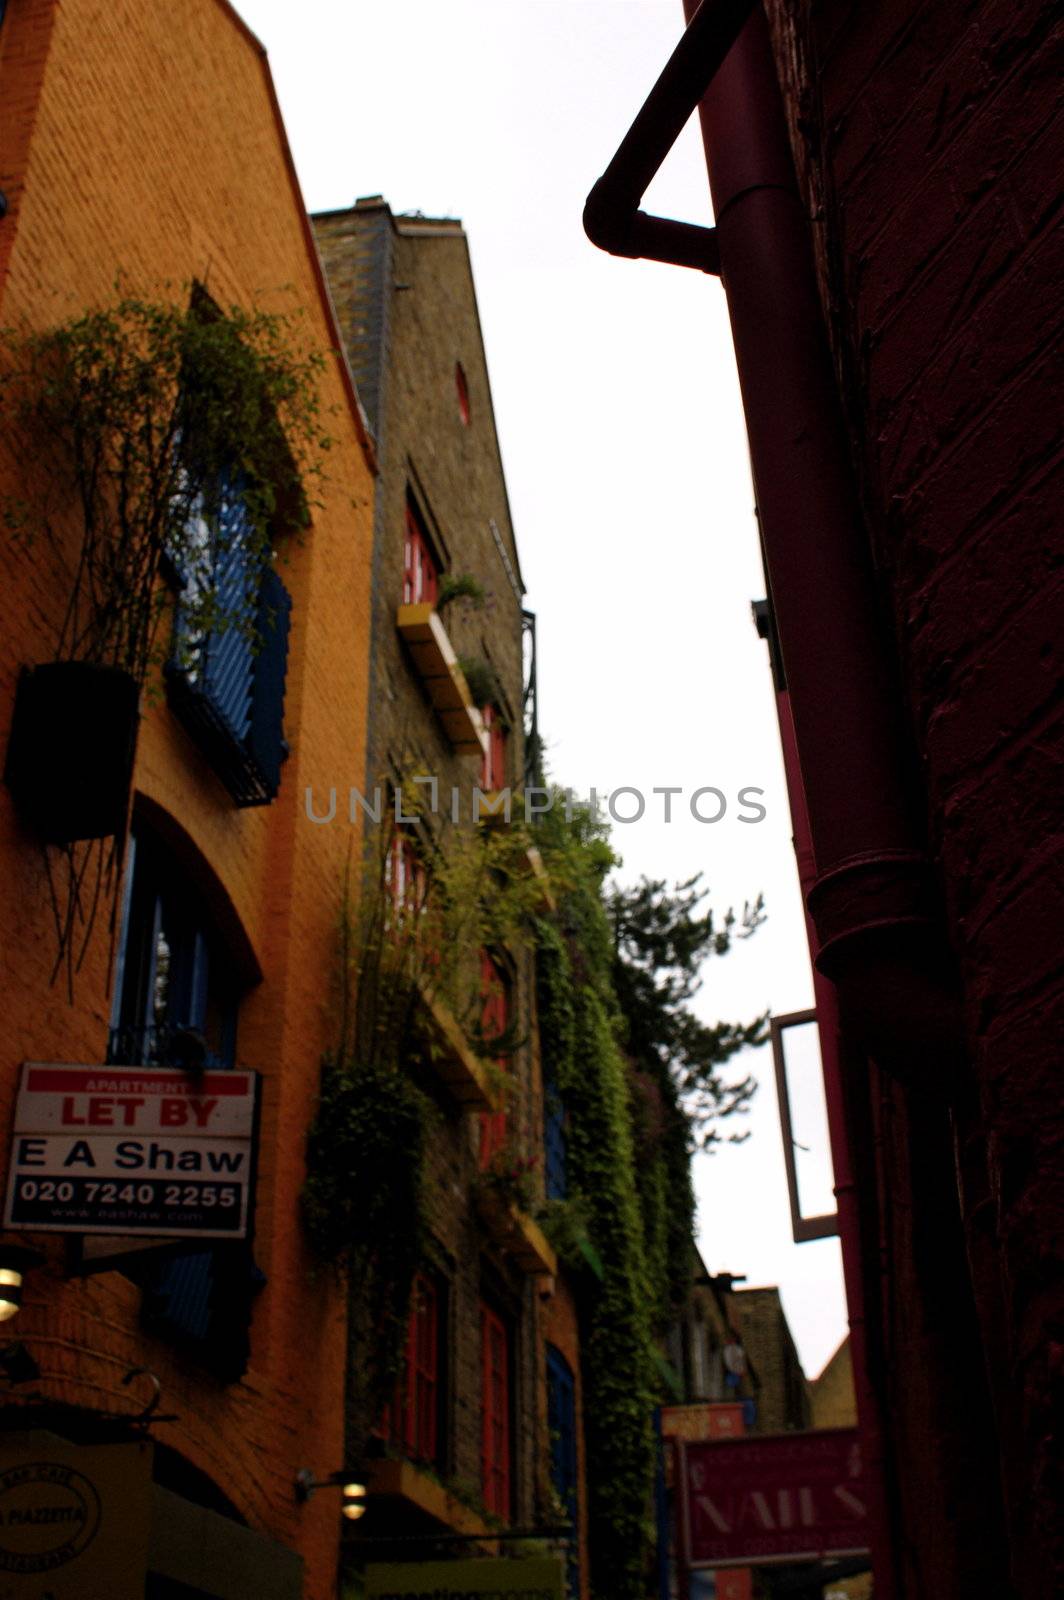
<point>138,424</point>
<point>404,940</point>
<point>637,1075</point>
<point>138,419</point>
<point>362,1205</point>
<point>579,1037</point>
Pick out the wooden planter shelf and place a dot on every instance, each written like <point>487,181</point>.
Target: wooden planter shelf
<point>448,1055</point>
<point>437,666</point>
<point>516,1233</point>
<point>404,1480</point>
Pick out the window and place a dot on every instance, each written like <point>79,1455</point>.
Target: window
<point>462,388</point>
<point>420,570</point>
<point>554,1153</point>
<point>405,876</point>
<point>226,684</point>
<point>561,1427</point>
<point>494,1412</point>
<point>175,1000</point>
<point>493,762</point>
<point>412,1419</point>
<point>175,1004</point>
<point>495,1011</point>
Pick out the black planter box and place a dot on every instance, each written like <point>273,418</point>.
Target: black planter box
<point>70,755</point>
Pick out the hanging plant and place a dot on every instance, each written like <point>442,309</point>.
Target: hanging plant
<point>460,586</point>
<point>404,936</point>
<point>482,679</point>
<point>141,418</point>
<point>138,424</point>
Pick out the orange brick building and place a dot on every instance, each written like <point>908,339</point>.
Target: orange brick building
<point>191,182</point>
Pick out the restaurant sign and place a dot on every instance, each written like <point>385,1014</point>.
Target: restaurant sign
<point>144,1151</point>
<point>772,1497</point>
<point>74,1520</point>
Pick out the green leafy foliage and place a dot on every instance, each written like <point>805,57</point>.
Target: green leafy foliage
<point>579,1037</point>
<point>362,1206</point>
<point>481,678</point>
<point>460,586</point>
<point>402,943</point>
<point>637,1073</point>
<point>138,418</point>
<point>661,943</point>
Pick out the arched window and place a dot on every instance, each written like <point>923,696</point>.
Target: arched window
<point>176,1000</point>
<point>176,989</point>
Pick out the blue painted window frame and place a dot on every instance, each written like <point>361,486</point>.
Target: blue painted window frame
<point>564,1464</point>
<point>226,685</point>
<point>172,979</point>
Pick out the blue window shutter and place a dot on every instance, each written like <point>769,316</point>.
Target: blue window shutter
<point>561,1422</point>
<point>554,1144</point>
<point>230,650</point>
<point>265,741</point>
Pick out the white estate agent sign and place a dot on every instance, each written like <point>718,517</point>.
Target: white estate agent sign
<point>132,1150</point>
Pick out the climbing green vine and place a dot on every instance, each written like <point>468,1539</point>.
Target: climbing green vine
<point>411,933</point>
<point>638,1076</point>
<point>579,1032</point>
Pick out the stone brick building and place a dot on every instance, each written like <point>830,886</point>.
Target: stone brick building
<point>449,703</point>
<point>142,145</point>
<point>831,1392</point>
<point>779,1385</point>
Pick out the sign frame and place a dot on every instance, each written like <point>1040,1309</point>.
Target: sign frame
<point>37,1125</point>
<point>779,1558</point>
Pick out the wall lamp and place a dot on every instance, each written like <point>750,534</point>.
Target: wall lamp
<point>353,1493</point>
<point>15,1261</point>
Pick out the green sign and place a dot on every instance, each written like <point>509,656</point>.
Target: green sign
<point>539,1579</point>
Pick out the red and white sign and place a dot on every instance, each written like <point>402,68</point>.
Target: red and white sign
<point>772,1497</point>
<point>708,1421</point>
<point>132,1150</point>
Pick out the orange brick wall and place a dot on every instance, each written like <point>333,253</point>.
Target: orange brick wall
<point>139,142</point>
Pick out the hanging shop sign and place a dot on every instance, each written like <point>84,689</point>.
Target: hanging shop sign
<point>708,1421</point>
<point>772,1497</point>
<point>489,1579</point>
<point>143,1151</point>
<point>74,1520</point>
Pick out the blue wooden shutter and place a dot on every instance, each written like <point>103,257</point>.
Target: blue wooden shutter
<point>230,650</point>
<point>554,1154</point>
<point>265,742</point>
<point>561,1422</point>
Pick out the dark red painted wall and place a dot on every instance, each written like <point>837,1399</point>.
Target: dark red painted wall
<point>928,139</point>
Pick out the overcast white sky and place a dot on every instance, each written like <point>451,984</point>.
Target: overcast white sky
<point>625,455</point>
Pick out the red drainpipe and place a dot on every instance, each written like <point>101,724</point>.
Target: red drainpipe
<point>870,894</point>
<point>872,897</point>
<point>846,1200</point>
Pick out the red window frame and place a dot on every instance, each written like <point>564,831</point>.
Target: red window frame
<point>411,1419</point>
<point>493,760</point>
<point>420,572</point>
<point>494,1412</point>
<point>462,389</point>
<point>494,1019</point>
<point>405,875</point>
